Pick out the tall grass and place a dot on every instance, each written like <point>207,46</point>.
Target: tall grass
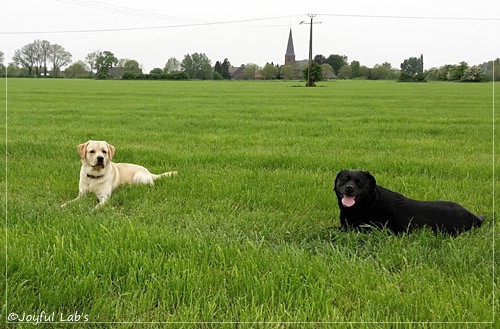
<point>247,233</point>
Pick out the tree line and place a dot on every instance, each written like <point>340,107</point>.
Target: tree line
<point>41,58</point>
<point>44,59</point>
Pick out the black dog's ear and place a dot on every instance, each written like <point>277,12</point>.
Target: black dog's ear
<point>337,179</point>
<point>371,179</point>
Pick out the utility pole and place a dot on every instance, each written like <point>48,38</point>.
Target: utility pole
<point>310,83</point>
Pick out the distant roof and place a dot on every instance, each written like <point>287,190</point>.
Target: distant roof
<point>116,71</point>
<point>289,47</point>
<point>234,69</point>
<point>301,62</point>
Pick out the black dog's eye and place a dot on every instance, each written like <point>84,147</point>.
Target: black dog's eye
<point>343,180</point>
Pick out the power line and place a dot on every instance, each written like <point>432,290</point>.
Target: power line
<point>151,27</point>
<point>201,23</point>
<point>126,10</point>
<point>415,17</point>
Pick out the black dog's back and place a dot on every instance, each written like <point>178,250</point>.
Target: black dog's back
<point>404,213</point>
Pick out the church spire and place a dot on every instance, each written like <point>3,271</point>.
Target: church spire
<point>290,53</point>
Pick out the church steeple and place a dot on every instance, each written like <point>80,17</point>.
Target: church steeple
<point>290,53</point>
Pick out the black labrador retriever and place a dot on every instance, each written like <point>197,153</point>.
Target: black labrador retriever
<point>363,203</point>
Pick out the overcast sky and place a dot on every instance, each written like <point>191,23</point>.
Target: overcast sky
<point>152,31</point>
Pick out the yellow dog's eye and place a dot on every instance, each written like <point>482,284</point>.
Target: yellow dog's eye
<point>92,152</point>
<point>104,151</point>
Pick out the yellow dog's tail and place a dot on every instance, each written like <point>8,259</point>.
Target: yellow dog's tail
<point>165,174</point>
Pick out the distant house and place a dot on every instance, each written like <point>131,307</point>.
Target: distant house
<point>116,72</point>
<point>258,76</point>
<point>237,73</point>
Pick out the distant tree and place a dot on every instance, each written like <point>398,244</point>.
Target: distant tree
<point>491,70</point>
<point>198,66</point>
<point>218,68</point>
<point>43,48</point>
<point>222,69</point>
<point>27,57</point>
<point>189,66</point>
<point>365,72</point>
<point>104,62</point>
<point>270,72</point>
<point>217,76</point>
<point>411,66</point>
<point>14,71</point>
<point>156,73</point>
<point>355,69</point>
<point>472,74</point>
<point>279,76</point>
<point>2,67</point>
<point>156,70</point>
<point>36,56</point>
<point>225,69</point>
<point>287,72</point>
<point>337,61</point>
<point>59,58</point>
<point>433,73</point>
<point>463,72</point>
<point>457,71</point>
<point>412,69</point>
<point>320,59</point>
<point>78,69</point>
<point>250,71</point>
<point>382,71</point>
<point>91,59</point>
<point>131,67</point>
<point>172,65</point>
<point>345,72</point>
<point>445,72</point>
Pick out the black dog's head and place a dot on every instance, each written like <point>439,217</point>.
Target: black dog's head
<point>353,187</point>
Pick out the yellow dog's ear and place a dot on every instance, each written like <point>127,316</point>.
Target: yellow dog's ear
<point>111,151</point>
<point>82,149</point>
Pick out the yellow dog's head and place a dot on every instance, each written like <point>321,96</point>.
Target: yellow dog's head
<point>96,154</point>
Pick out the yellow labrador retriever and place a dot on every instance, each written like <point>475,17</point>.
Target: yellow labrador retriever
<point>101,176</point>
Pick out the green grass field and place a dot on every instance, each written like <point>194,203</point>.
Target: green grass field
<point>247,233</point>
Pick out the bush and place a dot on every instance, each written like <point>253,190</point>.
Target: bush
<point>218,76</point>
<point>102,76</point>
<point>420,77</point>
<point>178,76</point>
<point>406,77</point>
<point>315,73</point>
<point>472,74</point>
<point>155,76</point>
<point>129,76</point>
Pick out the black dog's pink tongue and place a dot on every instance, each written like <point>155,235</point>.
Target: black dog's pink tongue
<point>348,201</point>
